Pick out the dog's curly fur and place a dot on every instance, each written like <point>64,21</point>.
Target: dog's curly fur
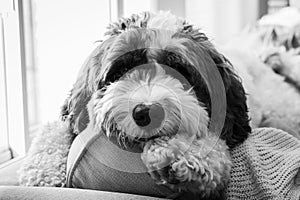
<point>188,162</point>
<point>46,160</point>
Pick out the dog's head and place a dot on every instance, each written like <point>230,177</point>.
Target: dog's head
<point>145,81</point>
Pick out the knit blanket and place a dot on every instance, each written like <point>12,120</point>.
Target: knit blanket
<point>266,166</point>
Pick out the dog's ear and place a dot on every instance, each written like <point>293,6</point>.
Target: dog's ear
<point>236,127</point>
<point>74,111</point>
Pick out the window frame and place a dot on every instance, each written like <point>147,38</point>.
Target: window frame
<point>14,95</point>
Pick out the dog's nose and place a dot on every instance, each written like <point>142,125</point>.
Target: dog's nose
<point>150,116</point>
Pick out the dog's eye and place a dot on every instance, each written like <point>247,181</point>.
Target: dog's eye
<point>124,63</point>
<point>113,76</point>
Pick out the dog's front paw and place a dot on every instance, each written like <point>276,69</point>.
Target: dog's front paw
<point>157,156</point>
<point>201,166</point>
<point>160,154</point>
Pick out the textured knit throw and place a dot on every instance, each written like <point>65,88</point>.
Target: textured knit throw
<point>266,166</point>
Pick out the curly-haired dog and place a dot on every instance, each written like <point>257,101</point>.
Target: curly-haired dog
<point>133,89</point>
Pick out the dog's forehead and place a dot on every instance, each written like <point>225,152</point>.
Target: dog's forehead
<point>141,38</point>
<point>136,45</point>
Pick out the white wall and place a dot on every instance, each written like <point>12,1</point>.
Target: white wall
<point>177,7</point>
<point>295,3</point>
<point>136,6</point>
<point>221,19</point>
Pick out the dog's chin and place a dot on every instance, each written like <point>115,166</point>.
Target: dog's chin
<point>136,144</point>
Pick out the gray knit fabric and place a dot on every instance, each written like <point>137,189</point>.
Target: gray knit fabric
<point>265,167</point>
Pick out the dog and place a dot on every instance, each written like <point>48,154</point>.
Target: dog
<point>155,86</point>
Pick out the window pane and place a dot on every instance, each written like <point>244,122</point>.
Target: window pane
<point>30,64</point>
<point>65,33</point>
<point>12,109</point>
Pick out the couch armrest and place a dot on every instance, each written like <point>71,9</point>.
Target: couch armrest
<point>8,172</point>
<point>51,193</point>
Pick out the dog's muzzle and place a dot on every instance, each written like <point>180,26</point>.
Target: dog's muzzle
<point>148,116</point>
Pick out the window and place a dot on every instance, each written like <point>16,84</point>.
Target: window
<point>13,111</point>
<point>66,32</point>
<point>4,147</point>
<point>42,47</point>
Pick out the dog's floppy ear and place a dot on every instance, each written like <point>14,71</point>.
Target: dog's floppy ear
<point>74,111</point>
<point>236,127</point>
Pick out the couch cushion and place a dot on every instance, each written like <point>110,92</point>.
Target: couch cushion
<point>8,173</point>
<point>48,193</point>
